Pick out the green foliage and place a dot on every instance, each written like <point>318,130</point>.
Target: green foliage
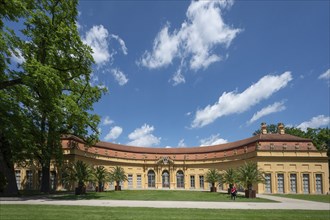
<point>271,129</point>
<point>78,172</point>
<point>100,175</point>
<point>49,93</point>
<point>118,175</point>
<point>212,176</point>
<point>249,174</point>
<point>3,182</point>
<point>229,176</point>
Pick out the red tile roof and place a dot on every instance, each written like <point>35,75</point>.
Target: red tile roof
<point>197,150</point>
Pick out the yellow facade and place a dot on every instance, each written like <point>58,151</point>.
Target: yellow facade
<point>290,164</point>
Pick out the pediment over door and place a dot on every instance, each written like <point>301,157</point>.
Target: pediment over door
<point>165,160</point>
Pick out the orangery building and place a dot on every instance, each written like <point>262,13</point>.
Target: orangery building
<point>290,164</point>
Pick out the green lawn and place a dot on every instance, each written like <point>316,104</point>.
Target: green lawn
<point>316,198</point>
<point>161,195</point>
<point>44,212</point>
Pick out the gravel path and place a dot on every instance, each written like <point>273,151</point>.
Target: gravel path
<point>282,203</point>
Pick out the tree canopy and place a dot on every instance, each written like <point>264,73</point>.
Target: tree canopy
<point>49,92</point>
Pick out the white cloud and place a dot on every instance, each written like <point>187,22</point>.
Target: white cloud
<point>212,140</point>
<point>97,39</point>
<point>275,107</point>
<point>182,143</point>
<point>326,76</point>
<point>315,122</point>
<point>201,32</point>
<point>120,77</point>
<point>17,56</point>
<point>143,137</point>
<point>233,102</point>
<point>121,42</point>
<point>107,121</point>
<point>165,48</point>
<point>177,78</point>
<point>114,133</point>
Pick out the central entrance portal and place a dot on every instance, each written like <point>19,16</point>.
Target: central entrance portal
<point>165,179</point>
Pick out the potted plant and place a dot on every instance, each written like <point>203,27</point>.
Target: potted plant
<point>213,176</point>
<point>229,177</point>
<point>101,175</point>
<point>248,175</point>
<point>78,172</point>
<point>118,175</point>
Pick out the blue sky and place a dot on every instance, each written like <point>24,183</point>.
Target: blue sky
<point>183,74</point>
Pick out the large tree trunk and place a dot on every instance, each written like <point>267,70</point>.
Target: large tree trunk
<point>45,180</point>
<point>7,168</point>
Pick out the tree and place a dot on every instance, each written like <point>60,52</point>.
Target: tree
<point>248,175</point>
<point>229,177</point>
<point>12,117</point>
<point>101,175</point>
<point>118,175</point>
<point>212,176</point>
<point>78,172</point>
<point>50,91</point>
<point>271,129</point>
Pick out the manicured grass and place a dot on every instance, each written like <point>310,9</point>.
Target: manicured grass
<point>44,212</point>
<point>161,195</point>
<point>315,198</point>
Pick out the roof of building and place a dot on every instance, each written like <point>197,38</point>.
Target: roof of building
<point>193,150</point>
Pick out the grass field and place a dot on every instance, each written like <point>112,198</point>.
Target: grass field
<point>161,195</point>
<point>316,198</point>
<point>45,212</point>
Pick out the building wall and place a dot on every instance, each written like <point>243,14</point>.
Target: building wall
<point>281,161</point>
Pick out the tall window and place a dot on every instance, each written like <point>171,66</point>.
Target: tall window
<point>268,183</point>
<point>280,183</point>
<point>293,183</point>
<point>201,182</point>
<point>306,183</point>
<point>151,179</point>
<point>180,179</point>
<point>18,178</point>
<point>318,183</point>
<point>29,179</point>
<point>192,181</point>
<point>139,181</point>
<point>130,181</point>
<point>166,179</point>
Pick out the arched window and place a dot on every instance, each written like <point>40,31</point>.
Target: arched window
<point>166,179</point>
<point>151,179</point>
<point>180,179</point>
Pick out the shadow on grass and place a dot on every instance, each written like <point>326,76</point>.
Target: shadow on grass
<point>160,195</point>
<point>142,195</point>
